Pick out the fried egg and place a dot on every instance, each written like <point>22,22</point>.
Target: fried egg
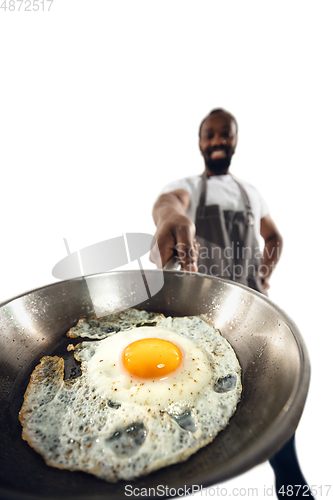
<point>153,390</point>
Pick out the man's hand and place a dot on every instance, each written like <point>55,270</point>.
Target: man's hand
<point>175,232</point>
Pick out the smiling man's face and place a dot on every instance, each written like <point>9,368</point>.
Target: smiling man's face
<point>218,140</point>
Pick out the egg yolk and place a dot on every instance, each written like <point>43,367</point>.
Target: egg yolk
<point>151,358</point>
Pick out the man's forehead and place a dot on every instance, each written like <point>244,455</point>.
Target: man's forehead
<point>221,121</point>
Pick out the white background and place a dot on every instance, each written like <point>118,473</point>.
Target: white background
<point>100,103</point>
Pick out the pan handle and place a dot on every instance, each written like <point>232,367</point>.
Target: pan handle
<point>173,264</point>
<point>288,475</point>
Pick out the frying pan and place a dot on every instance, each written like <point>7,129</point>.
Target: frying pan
<point>270,349</point>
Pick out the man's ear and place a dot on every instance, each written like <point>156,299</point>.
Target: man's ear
<point>200,146</point>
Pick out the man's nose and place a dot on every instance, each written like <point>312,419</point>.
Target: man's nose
<point>218,140</point>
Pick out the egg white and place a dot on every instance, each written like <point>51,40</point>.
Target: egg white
<point>85,424</point>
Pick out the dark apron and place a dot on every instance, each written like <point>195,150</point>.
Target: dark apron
<point>228,244</point>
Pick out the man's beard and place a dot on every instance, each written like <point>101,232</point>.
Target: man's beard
<point>219,166</point>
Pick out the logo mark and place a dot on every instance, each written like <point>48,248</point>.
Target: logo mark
<point>106,256</point>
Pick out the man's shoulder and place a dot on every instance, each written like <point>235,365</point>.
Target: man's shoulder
<point>247,185</point>
<point>190,184</point>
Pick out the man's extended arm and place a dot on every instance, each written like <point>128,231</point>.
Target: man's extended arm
<point>174,229</point>
<point>272,250</point>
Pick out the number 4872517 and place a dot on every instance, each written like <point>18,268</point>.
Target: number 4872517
<point>26,5</point>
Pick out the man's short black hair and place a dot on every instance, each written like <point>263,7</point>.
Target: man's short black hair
<point>215,111</point>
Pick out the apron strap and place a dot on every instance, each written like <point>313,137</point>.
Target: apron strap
<point>202,201</point>
<point>246,201</point>
<point>245,198</point>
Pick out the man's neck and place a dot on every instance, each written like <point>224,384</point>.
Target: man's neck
<point>209,173</point>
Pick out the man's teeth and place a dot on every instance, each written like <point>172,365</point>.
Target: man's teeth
<point>220,153</point>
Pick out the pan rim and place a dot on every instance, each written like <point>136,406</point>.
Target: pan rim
<point>281,429</point>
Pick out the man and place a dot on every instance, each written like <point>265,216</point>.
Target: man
<point>214,221</point>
